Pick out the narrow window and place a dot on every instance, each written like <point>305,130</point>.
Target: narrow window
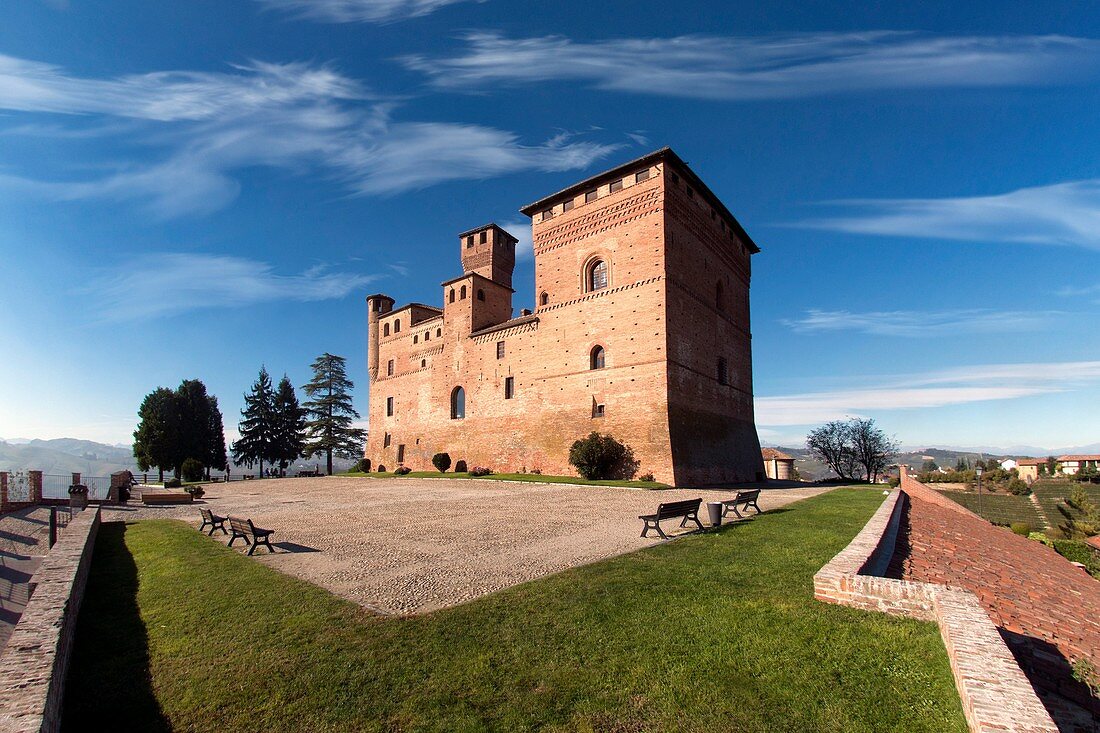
<point>596,358</point>
<point>482,237</point>
<point>423,363</point>
<point>544,299</point>
<point>548,214</point>
<point>452,295</point>
<point>389,407</point>
<point>590,196</point>
<point>389,368</point>
<point>416,338</point>
<point>386,330</point>
<point>723,371</point>
<point>458,403</point>
<point>675,178</point>
<point>397,326</point>
<point>462,293</point>
<point>509,387</point>
<point>597,410</point>
<point>616,186</point>
<point>386,441</point>
<point>470,241</point>
<point>438,332</point>
<point>719,297</point>
<point>480,294</point>
<point>690,193</point>
<point>500,349</point>
<point>427,335</point>
<point>567,205</point>
<point>597,275</point>
<point>641,175</point>
<point>401,453</point>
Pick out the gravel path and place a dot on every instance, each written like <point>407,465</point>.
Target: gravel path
<point>402,546</point>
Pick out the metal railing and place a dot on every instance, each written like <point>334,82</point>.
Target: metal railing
<point>56,486</point>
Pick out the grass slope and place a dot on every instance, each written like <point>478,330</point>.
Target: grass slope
<point>1000,508</point>
<point>717,631</point>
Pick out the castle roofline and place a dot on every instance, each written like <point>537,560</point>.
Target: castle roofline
<point>480,277</point>
<point>411,305</point>
<point>665,153</point>
<point>507,324</point>
<point>490,225</point>
<point>378,295</point>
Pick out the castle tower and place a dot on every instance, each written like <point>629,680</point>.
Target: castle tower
<point>489,251</point>
<point>377,306</point>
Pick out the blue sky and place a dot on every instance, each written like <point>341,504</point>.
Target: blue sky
<point>195,189</point>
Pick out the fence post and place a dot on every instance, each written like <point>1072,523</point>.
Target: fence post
<point>3,490</point>
<point>53,526</point>
<point>36,486</point>
<point>76,480</point>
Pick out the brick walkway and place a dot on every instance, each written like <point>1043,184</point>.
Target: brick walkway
<point>24,540</point>
<point>1047,609</point>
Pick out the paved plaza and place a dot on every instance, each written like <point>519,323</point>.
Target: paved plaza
<point>401,546</point>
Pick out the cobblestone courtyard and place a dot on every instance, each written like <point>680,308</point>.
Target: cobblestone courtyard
<point>401,546</point>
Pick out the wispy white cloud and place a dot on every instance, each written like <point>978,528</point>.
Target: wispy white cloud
<point>359,11</point>
<point>920,324</point>
<point>766,67</point>
<point>301,118</point>
<point>521,230</point>
<point>957,386</point>
<point>1066,214</point>
<point>168,283</point>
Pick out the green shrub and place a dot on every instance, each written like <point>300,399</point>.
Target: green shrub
<point>1021,528</point>
<point>599,457</point>
<point>442,461</point>
<point>402,470</point>
<point>192,470</point>
<point>172,483</point>
<point>363,466</point>
<point>460,467</point>
<point>646,477</point>
<point>1040,537</point>
<point>1074,551</point>
<point>481,471</point>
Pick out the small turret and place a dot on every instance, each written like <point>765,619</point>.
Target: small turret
<point>490,252</point>
<point>377,306</point>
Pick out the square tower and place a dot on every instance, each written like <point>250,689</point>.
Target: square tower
<point>489,251</point>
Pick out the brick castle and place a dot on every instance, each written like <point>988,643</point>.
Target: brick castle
<point>640,329</point>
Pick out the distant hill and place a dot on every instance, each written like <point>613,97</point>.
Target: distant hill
<point>69,455</point>
<point>811,469</point>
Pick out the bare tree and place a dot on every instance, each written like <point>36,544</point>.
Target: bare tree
<point>871,447</point>
<point>831,444</point>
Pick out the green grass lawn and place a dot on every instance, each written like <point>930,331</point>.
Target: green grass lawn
<point>716,631</point>
<point>529,477</point>
<point>1000,508</point>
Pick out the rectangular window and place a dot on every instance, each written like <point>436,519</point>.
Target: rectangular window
<point>500,349</point>
<point>616,186</point>
<point>509,387</point>
<point>389,368</point>
<point>386,441</point>
<point>401,453</point>
<point>597,411</point>
<point>567,205</point>
<point>691,194</point>
<point>548,214</point>
<point>675,178</point>
<point>470,241</point>
<point>641,175</point>
<point>389,407</point>
<point>590,196</point>
<point>483,237</point>
<point>723,371</point>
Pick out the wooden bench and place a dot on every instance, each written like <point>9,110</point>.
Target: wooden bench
<point>744,499</point>
<point>309,474</point>
<point>212,520</point>
<point>250,533</point>
<point>165,497</point>
<point>688,510</point>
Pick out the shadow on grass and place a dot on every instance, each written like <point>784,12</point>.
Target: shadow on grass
<point>109,686</point>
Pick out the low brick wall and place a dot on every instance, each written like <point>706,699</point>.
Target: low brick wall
<point>36,659</point>
<point>995,692</point>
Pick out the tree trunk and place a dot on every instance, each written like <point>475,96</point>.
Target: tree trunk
<point>160,474</point>
<point>329,461</point>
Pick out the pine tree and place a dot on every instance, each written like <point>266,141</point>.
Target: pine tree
<point>290,425</point>
<point>330,412</point>
<point>157,434</point>
<point>215,448</point>
<point>257,441</point>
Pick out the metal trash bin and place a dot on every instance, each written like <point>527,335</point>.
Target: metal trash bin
<point>714,513</point>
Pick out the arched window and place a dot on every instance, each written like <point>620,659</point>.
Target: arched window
<point>397,326</point>
<point>597,275</point>
<point>480,294</point>
<point>438,332</point>
<point>423,363</point>
<point>544,299</point>
<point>458,403</point>
<point>416,338</point>
<point>596,358</point>
<point>386,330</point>
<point>462,293</point>
<point>427,335</point>
<point>719,297</point>
<point>452,297</point>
